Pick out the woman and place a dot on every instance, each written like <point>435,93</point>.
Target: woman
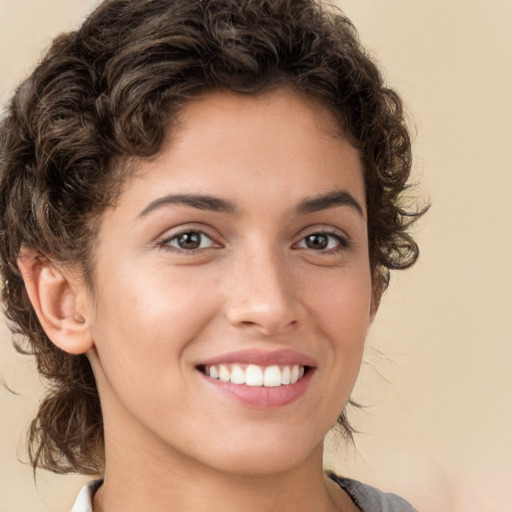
<point>200,209</point>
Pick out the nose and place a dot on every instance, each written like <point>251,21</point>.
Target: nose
<point>262,295</point>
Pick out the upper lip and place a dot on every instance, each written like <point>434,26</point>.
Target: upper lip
<point>262,358</point>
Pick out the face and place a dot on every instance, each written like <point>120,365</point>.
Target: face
<point>232,287</point>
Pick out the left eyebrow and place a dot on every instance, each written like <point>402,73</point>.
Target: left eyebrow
<point>201,202</point>
<point>330,200</point>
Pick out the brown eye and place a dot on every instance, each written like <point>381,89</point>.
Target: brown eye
<point>323,242</point>
<point>190,241</point>
<point>317,241</point>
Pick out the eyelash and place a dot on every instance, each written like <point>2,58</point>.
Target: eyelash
<point>166,243</point>
<point>342,242</point>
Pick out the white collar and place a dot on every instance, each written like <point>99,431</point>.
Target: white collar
<point>83,501</point>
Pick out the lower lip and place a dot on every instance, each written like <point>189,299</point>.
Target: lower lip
<point>262,397</point>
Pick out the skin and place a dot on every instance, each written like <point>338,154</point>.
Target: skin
<point>158,310</point>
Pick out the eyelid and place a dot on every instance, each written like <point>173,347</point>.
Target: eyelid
<point>164,240</point>
<point>343,238</point>
<point>326,229</point>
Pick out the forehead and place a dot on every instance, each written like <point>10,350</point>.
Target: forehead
<point>277,147</point>
<point>284,102</point>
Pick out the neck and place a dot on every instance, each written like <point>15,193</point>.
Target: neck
<point>144,472</point>
<point>135,482</point>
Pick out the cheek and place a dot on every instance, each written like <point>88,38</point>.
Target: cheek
<point>342,301</point>
<point>160,303</point>
<point>144,325</point>
<point>341,306</point>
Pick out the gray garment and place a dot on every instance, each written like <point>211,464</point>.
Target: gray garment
<point>369,499</point>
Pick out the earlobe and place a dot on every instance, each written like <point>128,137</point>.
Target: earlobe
<point>57,301</point>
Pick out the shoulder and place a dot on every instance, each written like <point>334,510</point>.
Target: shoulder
<point>370,499</point>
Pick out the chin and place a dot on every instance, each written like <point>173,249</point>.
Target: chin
<point>260,464</point>
<point>266,454</point>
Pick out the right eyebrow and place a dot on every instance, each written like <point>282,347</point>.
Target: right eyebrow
<point>201,202</point>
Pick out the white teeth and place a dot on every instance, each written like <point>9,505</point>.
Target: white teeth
<point>254,375</point>
<point>286,375</point>
<point>294,375</point>
<point>224,374</point>
<point>237,375</point>
<point>272,377</point>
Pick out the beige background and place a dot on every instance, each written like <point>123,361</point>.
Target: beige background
<point>438,377</point>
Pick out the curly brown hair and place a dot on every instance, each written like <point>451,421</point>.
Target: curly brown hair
<point>107,92</point>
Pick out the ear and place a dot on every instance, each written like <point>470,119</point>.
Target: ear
<point>59,299</point>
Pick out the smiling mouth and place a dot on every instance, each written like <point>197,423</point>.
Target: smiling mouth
<point>254,375</point>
